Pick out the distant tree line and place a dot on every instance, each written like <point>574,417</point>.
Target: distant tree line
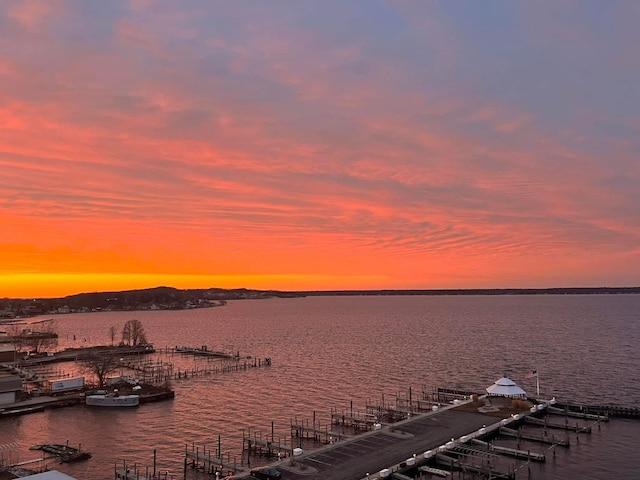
<point>167,297</point>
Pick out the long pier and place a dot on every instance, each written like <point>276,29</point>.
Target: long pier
<point>405,448</point>
<point>458,436</point>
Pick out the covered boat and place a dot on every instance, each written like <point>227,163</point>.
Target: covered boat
<point>112,400</point>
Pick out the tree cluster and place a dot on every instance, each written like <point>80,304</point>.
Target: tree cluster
<point>133,334</point>
<point>37,338</point>
<point>103,363</point>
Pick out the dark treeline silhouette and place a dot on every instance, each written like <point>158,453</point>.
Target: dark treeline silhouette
<point>173,298</point>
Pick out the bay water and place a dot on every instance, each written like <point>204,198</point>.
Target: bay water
<point>335,352</point>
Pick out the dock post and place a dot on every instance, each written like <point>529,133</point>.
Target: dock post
<point>154,463</point>
<point>410,400</point>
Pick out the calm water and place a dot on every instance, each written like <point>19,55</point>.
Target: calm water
<point>329,352</point>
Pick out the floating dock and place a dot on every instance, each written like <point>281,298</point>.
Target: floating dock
<point>64,453</point>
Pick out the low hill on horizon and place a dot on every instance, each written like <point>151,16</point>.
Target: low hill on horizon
<point>169,293</point>
<point>164,297</point>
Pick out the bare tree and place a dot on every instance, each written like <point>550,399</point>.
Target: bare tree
<point>100,365</point>
<point>112,334</point>
<point>36,337</point>
<point>133,333</point>
<point>45,336</point>
<point>16,332</point>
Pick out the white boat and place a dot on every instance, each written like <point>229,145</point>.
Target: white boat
<point>111,400</point>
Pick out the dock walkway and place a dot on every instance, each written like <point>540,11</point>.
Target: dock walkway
<point>369,453</point>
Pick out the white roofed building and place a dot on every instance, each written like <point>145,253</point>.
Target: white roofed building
<point>505,387</point>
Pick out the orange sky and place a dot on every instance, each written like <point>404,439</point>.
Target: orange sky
<point>328,146</point>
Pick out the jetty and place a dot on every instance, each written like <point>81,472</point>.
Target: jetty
<point>79,354</point>
<point>64,453</point>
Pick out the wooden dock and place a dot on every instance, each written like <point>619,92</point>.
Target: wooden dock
<point>545,439</point>
<point>204,351</point>
<point>358,423</point>
<point>458,465</point>
<point>319,435</point>
<point>159,371</point>
<point>404,404</point>
<point>76,354</point>
<point>259,444</point>
<point>438,472</point>
<point>542,422</point>
<point>512,452</point>
<point>64,453</point>
<point>388,448</point>
<point>570,413</point>
<point>211,461</point>
<point>128,475</point>
<point>455,437</point>
<point>603,411</point>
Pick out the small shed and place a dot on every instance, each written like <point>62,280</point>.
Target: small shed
<point>10,387</point>
<point>7,353</point>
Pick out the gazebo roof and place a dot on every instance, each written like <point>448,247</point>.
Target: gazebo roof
<point>505,387</point>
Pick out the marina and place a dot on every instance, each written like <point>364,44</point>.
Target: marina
<point>452,438</point>
<point>450,433</point>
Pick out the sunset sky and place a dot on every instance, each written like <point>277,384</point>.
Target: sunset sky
<point>332,144</point>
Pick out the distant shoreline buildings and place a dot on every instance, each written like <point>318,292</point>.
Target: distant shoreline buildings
<point>168,298</point>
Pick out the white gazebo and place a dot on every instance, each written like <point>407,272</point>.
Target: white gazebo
<point>505,387</point>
